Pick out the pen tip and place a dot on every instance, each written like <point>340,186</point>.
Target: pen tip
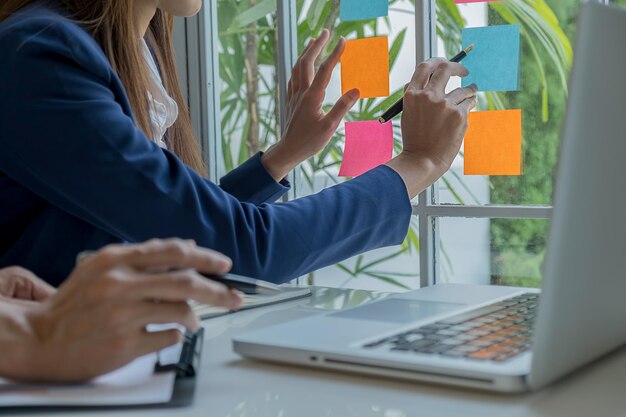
<point>382,120</point>
<point>469,48</point>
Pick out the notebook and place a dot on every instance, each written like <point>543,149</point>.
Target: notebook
<point>166,378</point>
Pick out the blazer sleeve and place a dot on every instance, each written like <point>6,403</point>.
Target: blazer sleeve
<point>252,183</point>
<point>65,136</point>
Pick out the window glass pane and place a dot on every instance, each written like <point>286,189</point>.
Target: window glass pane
<point>545,62</point>
<point>620,2</point>
<point>249,79</point>
<point>391,269</point>
<point>492,251</point>
<point>322,170</point>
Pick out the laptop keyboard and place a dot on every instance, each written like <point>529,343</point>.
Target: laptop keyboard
<point>496,332</point>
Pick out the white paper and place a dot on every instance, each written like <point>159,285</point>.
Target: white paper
<point>134,384</point>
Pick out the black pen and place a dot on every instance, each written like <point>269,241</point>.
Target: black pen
<point>244,284</point>
<point>396,109</point>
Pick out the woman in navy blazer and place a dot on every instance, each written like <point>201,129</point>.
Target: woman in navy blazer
<point>78,168</point>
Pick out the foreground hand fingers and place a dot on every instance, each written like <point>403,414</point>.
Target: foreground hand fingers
<point>423,72</point>
<point>165,255</point>
<point>322,78</point>
<point>461,94</point>
<point>149,342</point>
<point>442,75</point>
<point>19,283</point>
<point>183,285</point>
<point>308,59</point>
<point>18,303</point>
<point>149,312</point>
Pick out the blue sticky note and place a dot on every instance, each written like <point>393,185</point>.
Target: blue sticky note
<point>350,10</point>
<point>494,63</point>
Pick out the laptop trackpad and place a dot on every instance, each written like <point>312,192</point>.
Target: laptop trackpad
<point>398,311</point>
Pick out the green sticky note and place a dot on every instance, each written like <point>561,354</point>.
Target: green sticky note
<point>350,10</point>
<point>494,63</point>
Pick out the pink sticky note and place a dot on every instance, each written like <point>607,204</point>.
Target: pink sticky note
<point>472,1</point>
<point>368,144</point>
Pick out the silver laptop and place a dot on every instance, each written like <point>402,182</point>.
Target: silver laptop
<point>499,338</point>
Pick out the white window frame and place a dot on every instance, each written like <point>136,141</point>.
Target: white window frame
<point>201,77</point>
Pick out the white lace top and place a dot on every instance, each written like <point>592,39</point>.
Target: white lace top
<point>163,109</point>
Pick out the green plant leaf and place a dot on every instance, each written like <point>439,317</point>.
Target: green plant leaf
<point>396,45</point>
<point>345,269</point>
<point>388,280</point>
<point>254,13</point>
<point>315,14</point>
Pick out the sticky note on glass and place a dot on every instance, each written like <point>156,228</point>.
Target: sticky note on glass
<point>494,63</point>
<point>350,10</point>
<point>368,145</point>
<point>493,143</point>
<point>365,65</point>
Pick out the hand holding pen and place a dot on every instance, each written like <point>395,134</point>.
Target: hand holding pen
<point>396,109</point>
<point>433,123</point>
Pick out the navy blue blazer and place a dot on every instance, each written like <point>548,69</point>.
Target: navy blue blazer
<point>77,174</point>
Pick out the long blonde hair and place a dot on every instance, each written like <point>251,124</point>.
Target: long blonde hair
<point>112,25</point>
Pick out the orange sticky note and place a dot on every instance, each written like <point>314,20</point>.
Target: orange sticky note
<point>368,144</point>
<point>493,143</point>
<point>365,65</point>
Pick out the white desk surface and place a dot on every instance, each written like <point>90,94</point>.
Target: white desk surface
<point>230,386</point>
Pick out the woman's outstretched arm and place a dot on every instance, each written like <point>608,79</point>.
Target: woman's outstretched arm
<point>65,135</point>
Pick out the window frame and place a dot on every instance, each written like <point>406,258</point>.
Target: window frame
<point>200,53</point>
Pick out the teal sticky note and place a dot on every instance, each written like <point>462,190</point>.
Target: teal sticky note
<point>350,10</point>
<point>494,63</point>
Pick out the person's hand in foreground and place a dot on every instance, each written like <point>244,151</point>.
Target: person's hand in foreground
<point>433,123</point>
<point>22,288</point>
<point>97,320</point>
<point>308,128</point>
